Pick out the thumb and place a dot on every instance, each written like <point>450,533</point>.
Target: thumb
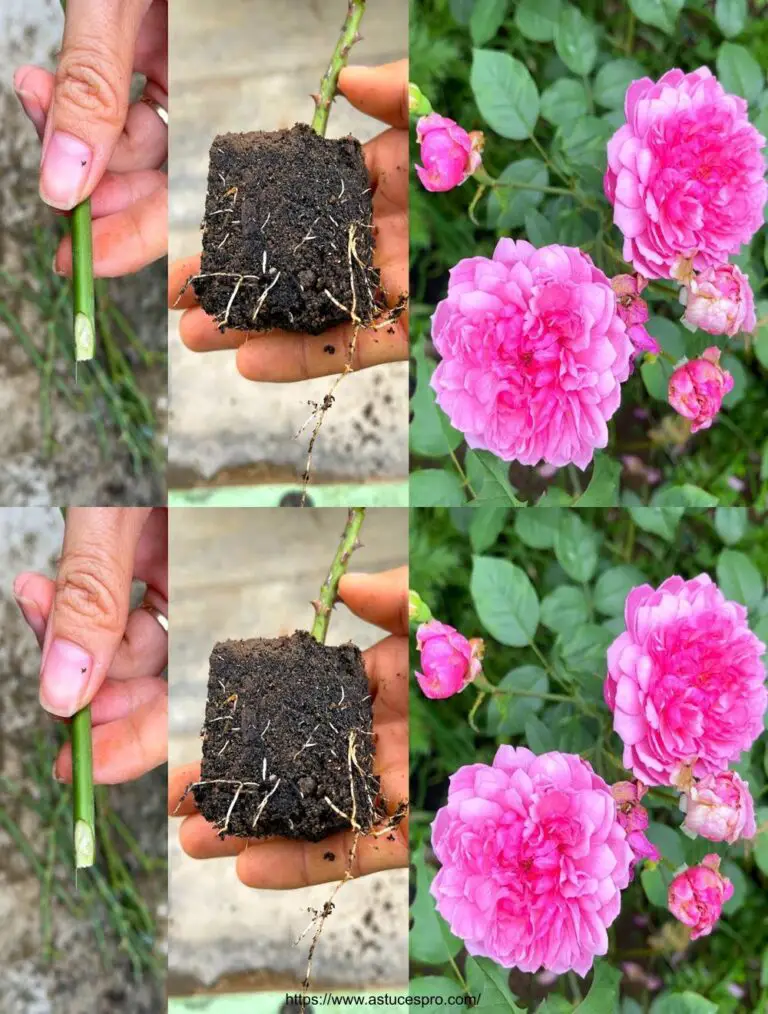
<point>90,97</point>
<point>90,604</point>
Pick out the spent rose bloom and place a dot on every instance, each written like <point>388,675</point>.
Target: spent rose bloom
<point>697,895</point>
<point>719,808</point>
<point>633,310</point>
<point>448,659</point>
<point>450,154</point>
<point>533,354</point>
<point>697,388</point>
<point>685,173</point>
<point>685,681</point>
<point>719,301</point>
<point>633,817</point>
<point>533,860</point>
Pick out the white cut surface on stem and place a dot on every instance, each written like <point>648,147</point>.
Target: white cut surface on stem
<point>84,845</point>
<point>84,338</point>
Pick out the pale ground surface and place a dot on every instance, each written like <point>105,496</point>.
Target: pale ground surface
<point>30,32</point>
<point>30,539</point>
<point>239,66</point>
<point>239,574</point>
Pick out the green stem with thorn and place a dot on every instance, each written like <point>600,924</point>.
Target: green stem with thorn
<point>329,591</point>
<point>83,805</point>
<point>348,37</point>
<point>83,299</point>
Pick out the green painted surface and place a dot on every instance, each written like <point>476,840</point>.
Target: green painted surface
<point>373,495</point>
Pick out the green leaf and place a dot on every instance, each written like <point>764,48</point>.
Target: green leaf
<point>603,995</point>
<point>661,14</point>
<point>491,983</point>
<point>461,10</point>
<point>735,874</point>
<point>537,526</point>
<point>507,714</point>
<point>669,334</point>
<point>613,586</point>
<point>656,374</point>
<point>576,40</point>
<point>583,141</point>
<point>739,72</point>
<point>496,486</point>
<point>564,102</point>
<point>630,1006</point>
<point>538,229</point>
<point>603,488</point>
<point>505,600</point>
<point>731,524</point>
<point>538,736</point>
<point>435,986</point>
<point>556,1005</point>
<point>683,1003</point>
<point>487,18</point>
<point>740,379</point>
<point>507,206</point>
<point>576,547</point>
<point>731,17</point>
<point>687,497</point>
<point>431,435</point>
<point>564,609</point>
<point>505,93</point>
<point>429,941</point>
<point>612,81</point>
<point>486,525</point>
<point>583,650</point>
<point>658,521</point>
<point>537,19</point>
<point>668,841</point>
<point>739,578</point>
<point>761,334</point>
<point>656,880</point>
<point>761,840</point>
<point>433,487</point>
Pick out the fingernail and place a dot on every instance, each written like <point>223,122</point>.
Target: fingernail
<point>31,613</point>
<point>31,106</point>
<point>54,773</point>
<point>64,678</point>
<point>54,269</point>
<point>64,170</point>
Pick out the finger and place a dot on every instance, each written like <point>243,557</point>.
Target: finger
<point>118,699</point>
<point>278,864</point>
<point>125,749</point>
<point>90,97</point>
<point>181,295</point>
<point>181,802</point>
<point>381,92</point>
<point>127,241</point>
<point>386,158</point>
<point>381,599</point>
<point>200,840</point>
<point>143,143</point>
<point>90,605</point>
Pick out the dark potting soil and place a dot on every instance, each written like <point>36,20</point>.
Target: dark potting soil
<point>288,233</point>
<point>288,738</point>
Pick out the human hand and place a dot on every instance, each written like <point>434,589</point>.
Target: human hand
<point>93,649</point>
<point>95,144</point>
<point>280,356</point>
<point>278,863</point>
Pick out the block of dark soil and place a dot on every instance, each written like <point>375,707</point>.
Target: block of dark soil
<point>288,233</point>
<point>288,740</point>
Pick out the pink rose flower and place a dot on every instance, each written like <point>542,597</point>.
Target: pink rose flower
<point>685,173</point>
<point>633,310</point>
<point>448,659</point>
<point>633,817</point>
<point>697,388</point>
<point>533,861</point>
<point>719,301</point>
<point>685,681</point>
<point>697,895</point>
<point>719,808</point>
<point>450,155</point>
<point>533,354</point>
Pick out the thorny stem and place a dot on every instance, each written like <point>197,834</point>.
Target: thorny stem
<point>348,543</point>
<point>83,299</point>
<point>349,36</point>
<point>83,805</point>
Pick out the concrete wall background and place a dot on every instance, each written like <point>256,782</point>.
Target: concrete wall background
<point>245,65</point>
<point>244,573</point>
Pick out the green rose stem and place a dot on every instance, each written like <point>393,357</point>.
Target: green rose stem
<point>83,299</point>
<point>83,805</point>
<point>348,543</point>
<point>349,36</point>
